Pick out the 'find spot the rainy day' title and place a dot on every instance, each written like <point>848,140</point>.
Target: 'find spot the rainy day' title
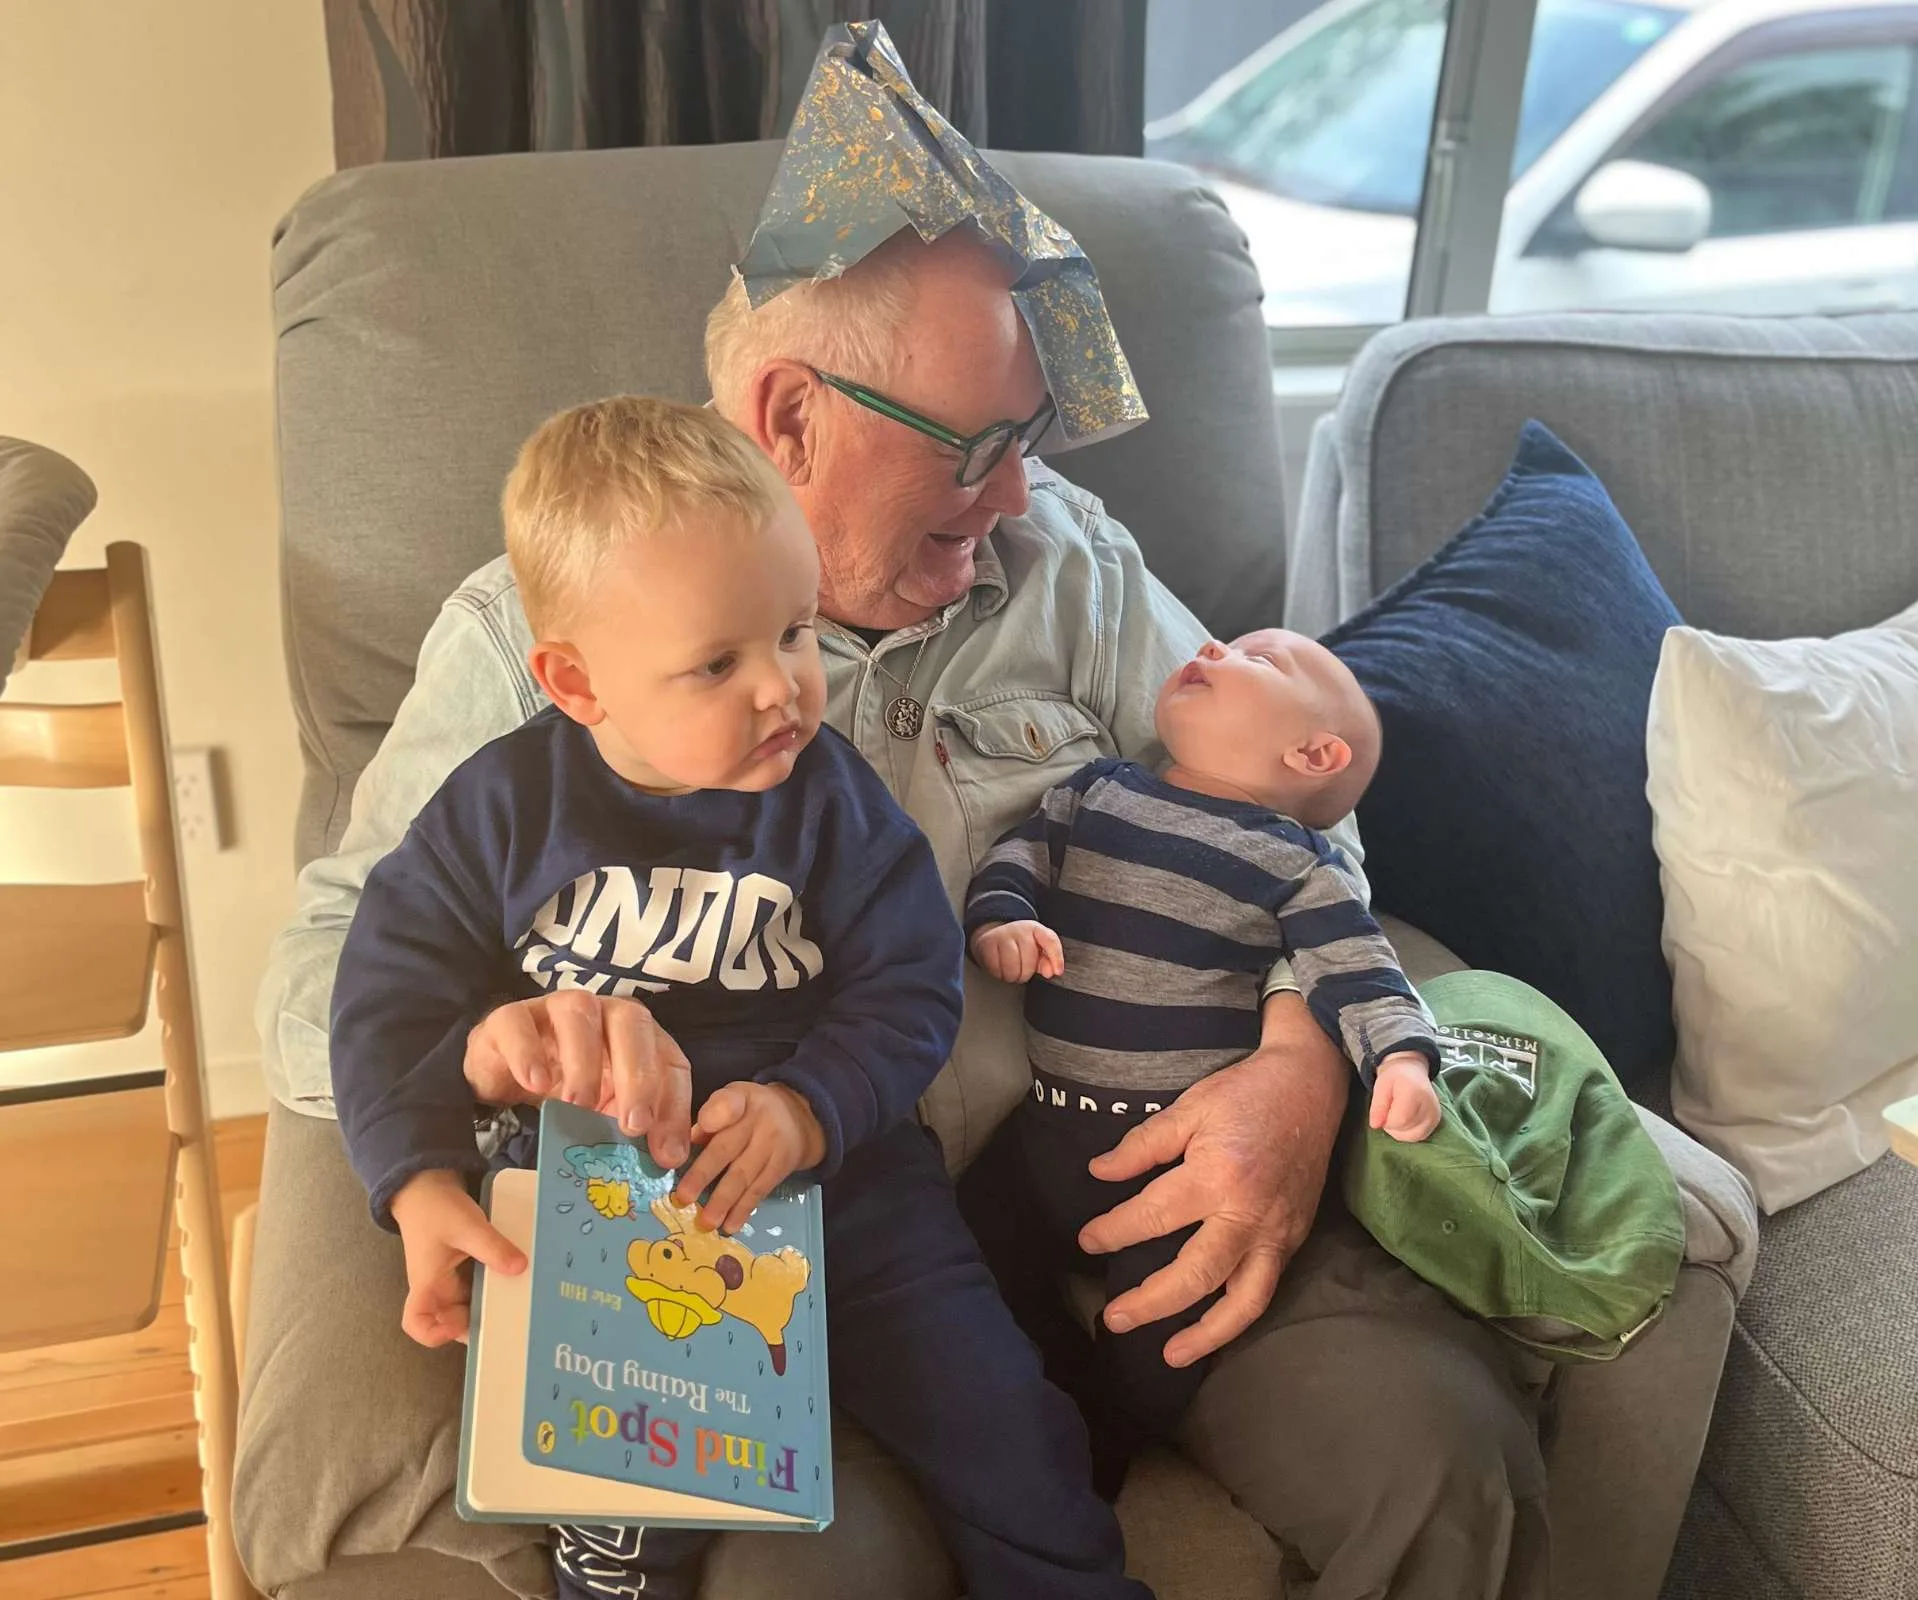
<point>683,1286</point>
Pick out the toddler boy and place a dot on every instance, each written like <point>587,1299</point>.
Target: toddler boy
<point>679,828</point>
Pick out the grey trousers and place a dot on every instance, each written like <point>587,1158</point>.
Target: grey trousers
<point>1387,1441</point>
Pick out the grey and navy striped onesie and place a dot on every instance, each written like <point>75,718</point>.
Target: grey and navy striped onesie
<point>1172,907</point>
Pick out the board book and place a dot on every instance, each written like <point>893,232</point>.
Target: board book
<point>642,1369</point>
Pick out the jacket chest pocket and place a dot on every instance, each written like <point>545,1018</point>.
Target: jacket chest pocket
<point>1003,753</point>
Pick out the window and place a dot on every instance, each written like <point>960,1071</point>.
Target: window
<point>1642,155</point>
<point>1791,143</point>
<point>1318,141</point>
<point>1580,48</point>
<point>1311,119</point>
<point>1766,171</point>
<point>1340,117</point>
<point>1665,155</point>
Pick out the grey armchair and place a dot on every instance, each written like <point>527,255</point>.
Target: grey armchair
<point>429,314</point>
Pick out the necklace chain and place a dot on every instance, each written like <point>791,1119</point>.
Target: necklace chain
<point>912,672</point>
<point>905,716</point>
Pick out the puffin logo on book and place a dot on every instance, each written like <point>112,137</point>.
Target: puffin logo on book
<point>645,1370</point>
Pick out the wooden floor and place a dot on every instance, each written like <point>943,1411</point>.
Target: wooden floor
<point>103,1432</point>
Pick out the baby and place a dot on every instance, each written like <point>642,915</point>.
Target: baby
<point>678,828</point>
<point>1155,904</point>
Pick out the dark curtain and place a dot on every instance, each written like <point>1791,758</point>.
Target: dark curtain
<point>421,78</point>
<point>1065,75</point>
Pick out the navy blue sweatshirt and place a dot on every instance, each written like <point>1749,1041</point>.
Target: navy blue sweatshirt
<point>799,936</point>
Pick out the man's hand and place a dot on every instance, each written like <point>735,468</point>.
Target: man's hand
<point>1404,1103</point>
<point>757,1135</point>
<point>1256,1140</point>
<point>1013,952</point>
<point>592,1050</point>
<point>442,1228</point>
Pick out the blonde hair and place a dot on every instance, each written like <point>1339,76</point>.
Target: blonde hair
<point>847,325</point>
<point>592,480</point>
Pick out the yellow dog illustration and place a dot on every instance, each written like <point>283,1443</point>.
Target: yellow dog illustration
<point>689,1278</point>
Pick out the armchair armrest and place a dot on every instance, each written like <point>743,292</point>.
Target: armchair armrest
<point>1720,1209</point>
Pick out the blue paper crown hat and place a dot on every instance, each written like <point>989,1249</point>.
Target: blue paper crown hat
<point>867,156</point>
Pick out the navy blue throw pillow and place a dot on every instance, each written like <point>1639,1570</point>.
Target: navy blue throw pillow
<point>1512,673</point>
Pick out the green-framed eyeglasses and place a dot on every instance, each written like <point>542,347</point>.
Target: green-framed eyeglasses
<point>979,453</point>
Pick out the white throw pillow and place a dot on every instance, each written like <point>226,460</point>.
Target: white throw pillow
<point>1784,791</point>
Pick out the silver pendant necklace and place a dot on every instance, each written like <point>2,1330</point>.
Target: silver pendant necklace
<point>905,716</point>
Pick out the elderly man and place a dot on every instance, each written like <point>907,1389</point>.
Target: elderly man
<point>989,629</point>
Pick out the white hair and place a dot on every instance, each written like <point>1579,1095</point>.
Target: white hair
<point>848,325</point>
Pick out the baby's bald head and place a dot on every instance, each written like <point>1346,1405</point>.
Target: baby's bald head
<point>1276,716</point>
<point>1351,715</point>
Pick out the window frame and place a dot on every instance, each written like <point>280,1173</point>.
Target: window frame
<point>1468,164</point>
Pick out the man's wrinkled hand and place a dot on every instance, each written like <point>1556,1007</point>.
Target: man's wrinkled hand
<point>591,1050</point>
<point>1253,1143</point>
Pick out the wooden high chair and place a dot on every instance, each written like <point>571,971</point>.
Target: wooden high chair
<point>78,963</point>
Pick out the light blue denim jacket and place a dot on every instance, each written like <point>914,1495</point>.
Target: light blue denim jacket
<point>1054,657</point>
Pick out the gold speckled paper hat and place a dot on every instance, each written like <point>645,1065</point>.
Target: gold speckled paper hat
<point>867,156</point>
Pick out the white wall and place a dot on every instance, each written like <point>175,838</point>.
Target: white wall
<point>147,147</point>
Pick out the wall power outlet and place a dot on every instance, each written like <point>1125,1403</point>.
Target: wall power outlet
<point>196,800</point>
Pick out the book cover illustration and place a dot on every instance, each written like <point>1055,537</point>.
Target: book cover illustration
<point>664,1354</point>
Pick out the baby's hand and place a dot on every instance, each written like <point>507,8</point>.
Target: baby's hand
<point>442,1227</point>
<point>1404,1103</point>
<point>757,1135</point>
<point>1014,951</point>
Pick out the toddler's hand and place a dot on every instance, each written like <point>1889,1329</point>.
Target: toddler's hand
<point>1013,952</point>
<point>755,1134</point>
<point>1404,1103</point>
<point>442,1227</point>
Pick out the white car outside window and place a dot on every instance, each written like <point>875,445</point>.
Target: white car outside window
<point>1732,155</point>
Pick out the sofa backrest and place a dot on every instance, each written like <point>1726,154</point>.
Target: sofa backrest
<point>431,313</point>
<point>1769,467</point>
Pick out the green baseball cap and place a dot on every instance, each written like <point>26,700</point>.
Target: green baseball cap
<point>1540,1204</point>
